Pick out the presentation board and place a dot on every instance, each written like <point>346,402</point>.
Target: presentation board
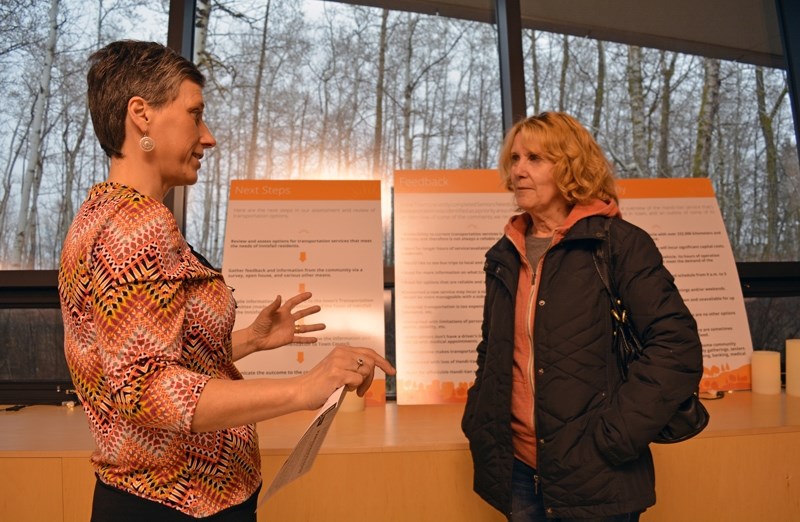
<point>325,237</point>
<point>445,221</point>
<point>683,218</point>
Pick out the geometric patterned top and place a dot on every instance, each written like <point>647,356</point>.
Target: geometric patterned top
<point>146,325</point>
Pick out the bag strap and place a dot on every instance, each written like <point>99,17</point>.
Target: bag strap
<point>601,258</point>
<point>627,346</point>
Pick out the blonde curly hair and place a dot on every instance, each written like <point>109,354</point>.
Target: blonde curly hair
<point>581,170</point>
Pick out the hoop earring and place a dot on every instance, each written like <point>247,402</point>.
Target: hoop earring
<point>146,143</point>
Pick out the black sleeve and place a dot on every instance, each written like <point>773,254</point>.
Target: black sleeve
<point>672,364</point>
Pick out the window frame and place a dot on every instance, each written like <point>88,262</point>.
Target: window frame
<point>39,288</point>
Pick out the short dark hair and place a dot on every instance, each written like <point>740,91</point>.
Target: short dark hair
<point>128,68</point>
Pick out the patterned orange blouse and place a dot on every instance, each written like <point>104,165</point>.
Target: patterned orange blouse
<point>146,325</point>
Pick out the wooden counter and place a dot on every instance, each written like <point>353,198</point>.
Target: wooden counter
<point>411,463</point>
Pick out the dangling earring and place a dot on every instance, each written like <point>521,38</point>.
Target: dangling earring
<point>146,143</point>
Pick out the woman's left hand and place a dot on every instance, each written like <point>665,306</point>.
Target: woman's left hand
<point>279,324</point>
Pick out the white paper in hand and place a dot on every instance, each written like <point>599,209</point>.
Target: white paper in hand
<point>302,456</point>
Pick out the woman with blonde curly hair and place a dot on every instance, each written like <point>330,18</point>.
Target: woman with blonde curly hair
<point>580,169</point>
<point>554,430</point>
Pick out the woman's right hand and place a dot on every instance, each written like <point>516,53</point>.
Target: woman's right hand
<point>226,403</point>
<point>349,366</point>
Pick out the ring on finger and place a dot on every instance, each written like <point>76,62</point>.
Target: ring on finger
<point>297,328</point>
<point>360,363</point>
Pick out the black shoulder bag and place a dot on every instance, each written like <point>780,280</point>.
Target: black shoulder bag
<point>691,417</point>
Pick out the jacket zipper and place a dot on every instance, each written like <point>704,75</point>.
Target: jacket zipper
<point>529,326</point>
<point>530,341</point>
<point>531,304</point>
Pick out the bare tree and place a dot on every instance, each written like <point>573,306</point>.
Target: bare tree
<point>202,58</point>
<point>667,68</point>
<point>377,136</point>
<point>363,91</point>
<point>562,83</point>
<point>600,89</point>
<point>204,62</point>
<point>766,117</point>
<point>412,78</point>
<point>709,107</point>
<point>637,104</point>
<point>537,94</point>
<point>72,151</point>
<point>26,224</point>
<point>252,151</point>
<point>15,153</point>
<point>16,28</point>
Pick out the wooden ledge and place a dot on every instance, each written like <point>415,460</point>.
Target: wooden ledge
<point>390,428</point>
<point>37,431</point>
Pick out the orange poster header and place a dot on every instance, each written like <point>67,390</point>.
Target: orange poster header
<point>665,188</point>
<point>304,189</point>
<point>488,180</point>
<point>434,181</point>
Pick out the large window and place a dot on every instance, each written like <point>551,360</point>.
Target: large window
<point>48,153</point>
<point>312,89</point>
<point>323,90</point>
<point>48,159</point>
<point>664,114</point>
<point>319,90</point>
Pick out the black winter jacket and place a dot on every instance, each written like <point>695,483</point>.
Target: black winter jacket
<point>592,430</point>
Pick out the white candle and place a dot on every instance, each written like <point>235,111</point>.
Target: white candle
<point>765,372</point>
<point>793,367</point>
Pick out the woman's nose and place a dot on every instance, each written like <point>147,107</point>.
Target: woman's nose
<point>207,139</point>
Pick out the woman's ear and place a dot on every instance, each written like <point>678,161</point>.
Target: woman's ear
<point>139,113</point>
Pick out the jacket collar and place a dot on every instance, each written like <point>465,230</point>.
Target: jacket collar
<point>518,225</point>
<point>580,212</point>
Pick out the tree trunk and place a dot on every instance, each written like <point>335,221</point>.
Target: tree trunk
<point>66,211</point>
<point>537,91</point>
<point>323,135</point>
<point>377,137</point>
<point>450,122</point>
<point>25,226</point>
<point>667,71</point>
<point>636,96</point>
<point>9,169</point>
<point>765,122</point>
<point>408,93</point>
<point>600,92</point>
<point>252,151</point>
<point>562,84</point>
<point>301,139</point>
<point>209,201</point>
<point>202,19</point>
<point>709,107</point>
<point>413,80</point>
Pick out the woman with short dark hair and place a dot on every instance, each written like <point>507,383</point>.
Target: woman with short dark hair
<point>148,322</point>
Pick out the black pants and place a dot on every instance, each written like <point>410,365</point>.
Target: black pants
<point>113,505</point>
